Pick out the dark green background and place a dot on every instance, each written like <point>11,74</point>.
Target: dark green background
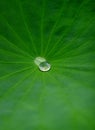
<point>63,32</point>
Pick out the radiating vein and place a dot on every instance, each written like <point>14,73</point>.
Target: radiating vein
<point>63,58</point>
<point>41,98</point>
<point>42,26</point>
<point>75,51</point>
<point>10,53</point>
<point>66,97</point>
<point>74,21</point>
<point>14,32</point>
<point>53,29</point>
<point>13,73</point>
<point>22,98</point>
<point>26,25</point>
<point>15,46</point>
<point>15,62</point>
<point>12,88</point>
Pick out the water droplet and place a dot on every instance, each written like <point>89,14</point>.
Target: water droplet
<point>42,64</point>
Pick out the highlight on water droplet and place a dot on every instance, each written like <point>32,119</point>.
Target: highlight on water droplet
<point>42,64</point>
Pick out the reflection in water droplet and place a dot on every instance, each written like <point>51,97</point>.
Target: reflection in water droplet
<point>42,64</point>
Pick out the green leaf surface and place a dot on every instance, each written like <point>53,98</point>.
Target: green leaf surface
<point>62,32</point>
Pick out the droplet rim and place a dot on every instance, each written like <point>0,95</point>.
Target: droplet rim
<point>45,69</point>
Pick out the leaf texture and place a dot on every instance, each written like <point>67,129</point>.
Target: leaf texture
<point>63,32</point>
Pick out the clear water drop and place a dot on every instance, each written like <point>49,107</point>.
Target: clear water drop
<point>42,64</point>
